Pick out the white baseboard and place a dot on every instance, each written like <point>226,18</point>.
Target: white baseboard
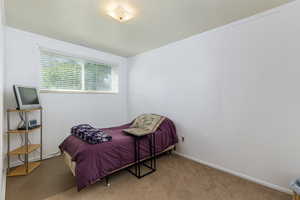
<point>243,176</point>
<point>37,158</point>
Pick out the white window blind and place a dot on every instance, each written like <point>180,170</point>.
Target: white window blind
<point>61,73</point>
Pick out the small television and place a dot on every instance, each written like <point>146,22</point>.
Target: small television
<point>26,97</point>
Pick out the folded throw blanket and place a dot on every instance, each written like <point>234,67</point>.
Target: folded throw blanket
<point>90,134</point>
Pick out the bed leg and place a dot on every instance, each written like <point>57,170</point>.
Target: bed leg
<point>107,181</point>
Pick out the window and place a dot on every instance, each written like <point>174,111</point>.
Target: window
<point>64,73</point>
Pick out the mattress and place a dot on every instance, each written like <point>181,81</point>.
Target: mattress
<point>72,165</point>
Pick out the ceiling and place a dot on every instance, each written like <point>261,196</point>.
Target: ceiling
<point>157,22</point>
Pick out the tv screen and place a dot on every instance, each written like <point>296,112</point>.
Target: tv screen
<point>26,97</point>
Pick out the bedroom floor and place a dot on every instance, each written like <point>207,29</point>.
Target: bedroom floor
<point>176,178</point>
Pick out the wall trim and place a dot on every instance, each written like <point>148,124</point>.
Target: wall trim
<point>3,187</point>
<point>238,174</point>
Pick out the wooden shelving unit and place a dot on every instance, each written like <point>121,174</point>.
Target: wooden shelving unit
<point>23,131</point>
<point>27,148</point>
<point>21,170</point>
<point>23,110</point>
<point>23,149</point>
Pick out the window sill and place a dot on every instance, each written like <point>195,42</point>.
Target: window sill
<point>77,91</point>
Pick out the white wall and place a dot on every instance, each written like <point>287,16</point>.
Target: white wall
<point>2,175</point>
<point>233,92</point>
<point>61,111</point>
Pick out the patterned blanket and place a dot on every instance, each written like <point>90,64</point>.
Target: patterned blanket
<point>89,134</point>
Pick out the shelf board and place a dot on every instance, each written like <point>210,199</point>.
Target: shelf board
<point>21,170</point>
<point>23,110</point>
<point>22,150</point>
<point>24,131</point>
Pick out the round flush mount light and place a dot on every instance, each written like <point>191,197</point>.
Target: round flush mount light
<point>120,13</point>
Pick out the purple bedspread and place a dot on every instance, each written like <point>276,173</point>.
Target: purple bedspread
<point>95,161</point>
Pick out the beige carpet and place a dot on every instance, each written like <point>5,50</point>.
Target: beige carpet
<point>176,179</point>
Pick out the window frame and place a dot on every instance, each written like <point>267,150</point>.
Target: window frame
<point>114,68</point>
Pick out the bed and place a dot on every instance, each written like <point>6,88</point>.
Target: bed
<point>91,163</point>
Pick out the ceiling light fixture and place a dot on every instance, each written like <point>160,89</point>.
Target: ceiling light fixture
<point>120,13</point>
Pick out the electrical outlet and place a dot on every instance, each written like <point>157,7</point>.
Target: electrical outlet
<point>182,138</point>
